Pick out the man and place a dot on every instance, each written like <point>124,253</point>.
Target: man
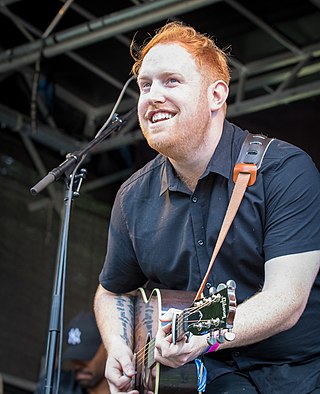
<point>84,358</point>
<point>167,216</point>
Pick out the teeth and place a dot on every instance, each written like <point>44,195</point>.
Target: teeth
<point>161,116</point>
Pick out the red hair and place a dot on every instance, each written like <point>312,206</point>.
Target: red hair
<point>201,47</point>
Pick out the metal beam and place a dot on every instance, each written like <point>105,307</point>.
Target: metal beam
<point>316,3</point>
<point>274,99</point>
<point>75,57</point>
<point>35,157</point>
<point>98,30</point>
<point>102,74</point>
<point>282,60</point>
<point>106,180</point>
<point>63,144</point>
<point>48,136</point>
<point>16,381</point>
<point>275,77</point>
<point>264,26</point>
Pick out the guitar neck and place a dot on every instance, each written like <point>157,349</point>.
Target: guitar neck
<point>179,329</point>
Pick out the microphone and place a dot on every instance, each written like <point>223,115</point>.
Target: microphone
<point>55,174</point>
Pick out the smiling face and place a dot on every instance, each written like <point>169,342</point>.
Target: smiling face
<point>173,108</point>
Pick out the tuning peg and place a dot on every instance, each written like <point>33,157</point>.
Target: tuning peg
<point>211,340</point>
<point>188,336</point>
<point>231,284</point>
<point>220,338</point>
<point>229,336</point>
<point>212,290</point>
<point>221,286</point>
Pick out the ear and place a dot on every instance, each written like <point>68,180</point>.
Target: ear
<point>218,93</point>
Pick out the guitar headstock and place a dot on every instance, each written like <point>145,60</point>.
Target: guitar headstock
<point>209,314</point>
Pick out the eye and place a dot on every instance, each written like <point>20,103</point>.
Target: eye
<point>144,86</point>
<point>172,81</point>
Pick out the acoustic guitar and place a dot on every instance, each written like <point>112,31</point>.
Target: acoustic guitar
<point>207,315</point>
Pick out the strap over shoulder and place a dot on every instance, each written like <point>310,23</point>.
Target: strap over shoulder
<point>244,174</point>
<point>251,155</point>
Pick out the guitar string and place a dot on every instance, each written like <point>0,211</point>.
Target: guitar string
<point>140,355</point>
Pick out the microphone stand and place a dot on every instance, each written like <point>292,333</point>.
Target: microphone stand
<point>73,158</point>
<point>68,168</point>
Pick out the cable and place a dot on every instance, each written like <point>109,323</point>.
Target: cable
<point>36,76</point>
<point>115,106</point>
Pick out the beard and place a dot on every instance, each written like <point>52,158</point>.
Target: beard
<point>187,135</point>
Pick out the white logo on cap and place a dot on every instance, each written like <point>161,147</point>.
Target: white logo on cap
<point>74,336</point>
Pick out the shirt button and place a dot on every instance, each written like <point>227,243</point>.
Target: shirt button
<point>194,199</point>
<point>200,242</point>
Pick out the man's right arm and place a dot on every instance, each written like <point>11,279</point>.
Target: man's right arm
<point>114,315</point>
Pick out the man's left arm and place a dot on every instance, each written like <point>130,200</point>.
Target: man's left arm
<point>280,304</point>
<point>276,308</point>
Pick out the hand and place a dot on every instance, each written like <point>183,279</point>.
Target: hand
<point>120,370</point>
<point>176,355</point>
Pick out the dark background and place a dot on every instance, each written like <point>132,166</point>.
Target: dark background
<point>82,62</point>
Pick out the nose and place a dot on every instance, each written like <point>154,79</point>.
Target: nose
<point>77,365</point>
<point>156,93</point>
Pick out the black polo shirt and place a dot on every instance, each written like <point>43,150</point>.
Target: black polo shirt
<point>162,232</point>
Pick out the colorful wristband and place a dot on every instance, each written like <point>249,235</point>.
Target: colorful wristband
<point>212,348</point>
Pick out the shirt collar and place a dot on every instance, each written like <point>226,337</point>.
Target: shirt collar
<point>220,162</point>
<point>169,180</point>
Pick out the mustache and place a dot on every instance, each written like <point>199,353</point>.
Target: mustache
<point>152,109</point>
<point>83,371</point>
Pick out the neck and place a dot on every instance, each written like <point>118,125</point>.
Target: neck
<point>190,168</point>
<point>190,180</point>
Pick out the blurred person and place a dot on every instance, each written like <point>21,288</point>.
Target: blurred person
<point>84,359</point>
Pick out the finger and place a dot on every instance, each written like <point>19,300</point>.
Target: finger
<point>120,377</point>
<point>122,385</point>
<point>122,366</point>
<point>167,316</point>
<point>166,329</point>
<point>116,391</point>
<point>128,370</point>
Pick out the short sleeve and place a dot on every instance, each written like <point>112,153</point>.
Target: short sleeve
<point>120,272</point>
<point>292,205</point>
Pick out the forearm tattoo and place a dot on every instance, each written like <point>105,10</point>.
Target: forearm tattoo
<point>125,307</point>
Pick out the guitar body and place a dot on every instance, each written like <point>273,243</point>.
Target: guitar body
<point>151,376</point>
<point>213,315</point>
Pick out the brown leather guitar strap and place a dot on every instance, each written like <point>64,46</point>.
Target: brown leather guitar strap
<point>249,161</point>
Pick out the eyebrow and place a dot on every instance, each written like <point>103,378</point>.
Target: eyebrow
<point>164,74</point>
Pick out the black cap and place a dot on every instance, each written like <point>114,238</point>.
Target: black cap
<point>82,338</point>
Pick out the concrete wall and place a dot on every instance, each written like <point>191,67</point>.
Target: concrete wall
<point>29,242</point>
